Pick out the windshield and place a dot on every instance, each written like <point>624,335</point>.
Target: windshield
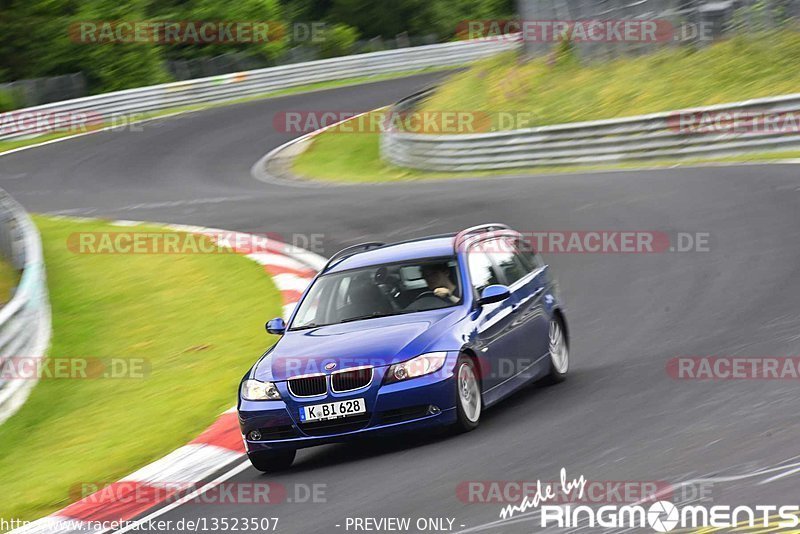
<point>379,291</point>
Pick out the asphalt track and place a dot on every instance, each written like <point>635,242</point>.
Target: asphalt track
<point>619,416</point>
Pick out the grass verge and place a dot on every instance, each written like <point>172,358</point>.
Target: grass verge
<point>552,92</point>
<point>196,322</point>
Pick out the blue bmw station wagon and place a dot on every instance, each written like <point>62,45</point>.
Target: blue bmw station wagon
<point>405,336</point>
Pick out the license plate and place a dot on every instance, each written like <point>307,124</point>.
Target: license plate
<point>332,410</point>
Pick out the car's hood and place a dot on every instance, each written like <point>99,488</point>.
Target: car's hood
<point>376,342</point>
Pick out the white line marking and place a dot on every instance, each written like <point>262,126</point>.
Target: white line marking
<point>183,500</point>
<point>105,129</point>
<point>779,476</point>
<point>184,465</point>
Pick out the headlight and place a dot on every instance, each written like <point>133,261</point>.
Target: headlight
<point>255,390</point>
<point>419,366</point>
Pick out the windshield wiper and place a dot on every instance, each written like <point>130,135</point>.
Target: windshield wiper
<point>369,316</point>
<point>306,327</point>
<point>350,319</point>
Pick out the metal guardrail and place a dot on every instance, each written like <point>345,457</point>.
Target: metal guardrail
<point>644,137</point>
<point>107,106</point>
<point>25,319</point>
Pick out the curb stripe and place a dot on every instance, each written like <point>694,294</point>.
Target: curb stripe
<point>119,501</point>
<point>277,260</point>
<point>223,433</point>
<point>275,270</point>
<point>291,295</point>
<point>290,282</point>
<point>188,464</point>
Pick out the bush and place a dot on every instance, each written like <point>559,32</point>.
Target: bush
<point>337,40</point>
<point>7,101</point>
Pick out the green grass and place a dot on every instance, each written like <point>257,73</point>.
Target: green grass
<point>565,91</point>
<point>195,319</point>
<point>318,86</point>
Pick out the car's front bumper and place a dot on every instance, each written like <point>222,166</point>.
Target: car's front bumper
<point>415,404</point>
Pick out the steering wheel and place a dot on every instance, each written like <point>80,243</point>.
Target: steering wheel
<point>428,294</point>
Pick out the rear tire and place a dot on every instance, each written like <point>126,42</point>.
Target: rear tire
<point>271,461</point>
<point>559,352</point>
<point>469,402</point>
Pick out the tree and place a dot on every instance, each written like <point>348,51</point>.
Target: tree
<point>36,41</point>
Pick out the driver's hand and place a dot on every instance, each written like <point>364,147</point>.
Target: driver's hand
<point>442,292</point>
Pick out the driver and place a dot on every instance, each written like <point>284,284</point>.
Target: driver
<point>437,276</point>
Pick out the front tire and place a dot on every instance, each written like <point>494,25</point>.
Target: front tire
<point>469,402</point>
<point>271,461</point>
<point>559,352</point>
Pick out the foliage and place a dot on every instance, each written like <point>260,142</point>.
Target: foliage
<point>35,38</point>
<point>35,41</point>
<point>567,91</point>
<point>337,40</point>
<point>261,11</point>
<point>7,101</point>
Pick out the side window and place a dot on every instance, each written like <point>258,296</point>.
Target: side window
<point>509,262</point>
<point>530,259</point>
<point>503,253</point>
<point>481,270</point>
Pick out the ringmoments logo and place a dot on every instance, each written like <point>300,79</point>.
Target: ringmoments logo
<point>663,516</point>
<point>660,516</point>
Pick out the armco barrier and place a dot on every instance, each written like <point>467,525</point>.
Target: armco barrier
<point>106,106</point>
<point>25,319</point>
<point>654,136</point>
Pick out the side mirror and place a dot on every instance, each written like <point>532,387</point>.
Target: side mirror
<point>276,326</point>
<point>494,293</point>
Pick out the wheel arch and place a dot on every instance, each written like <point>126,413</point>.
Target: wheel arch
<point>559,314</point>
<point>470,353</point>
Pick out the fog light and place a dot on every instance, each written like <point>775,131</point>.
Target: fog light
<point>434,410</point>
<point>255,435</point>
<point>400,373</point>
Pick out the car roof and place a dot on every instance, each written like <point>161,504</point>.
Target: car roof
<point>433,247</point>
